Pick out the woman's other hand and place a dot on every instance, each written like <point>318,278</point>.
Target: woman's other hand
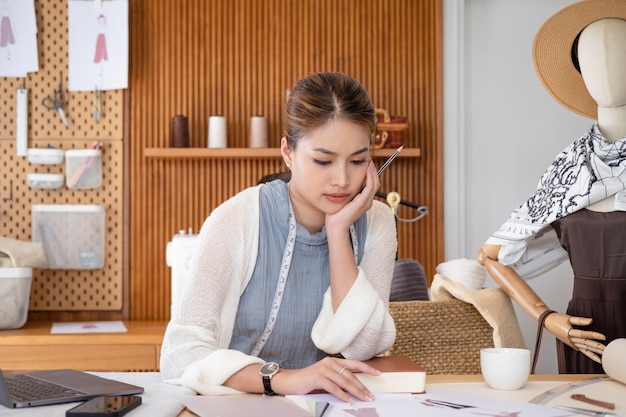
<point>333,375</point>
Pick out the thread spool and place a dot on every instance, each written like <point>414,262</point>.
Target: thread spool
<point>180,132</point>
<point>258,132</point>
<point>217,132</point>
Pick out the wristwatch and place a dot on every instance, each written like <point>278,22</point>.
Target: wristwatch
<point>267,371</point>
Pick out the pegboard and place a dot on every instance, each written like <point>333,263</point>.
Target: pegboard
<point>63,290</point>
<point>55,290</point>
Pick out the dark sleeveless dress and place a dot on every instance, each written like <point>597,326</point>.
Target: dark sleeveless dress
<point>596,244</point>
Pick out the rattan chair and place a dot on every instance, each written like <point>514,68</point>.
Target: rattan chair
<point>444,336</point>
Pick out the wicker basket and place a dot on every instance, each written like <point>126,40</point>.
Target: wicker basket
<point>444,336</point>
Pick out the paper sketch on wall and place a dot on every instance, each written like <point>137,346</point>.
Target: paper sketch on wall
<point>98,45</point>
<point>18,38</point>
<point>101,43</point>
<point>6,33</point>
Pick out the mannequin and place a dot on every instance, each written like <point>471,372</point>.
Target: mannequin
<point>602,59</point>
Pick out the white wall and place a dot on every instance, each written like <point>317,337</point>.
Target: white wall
<point>502,130</point>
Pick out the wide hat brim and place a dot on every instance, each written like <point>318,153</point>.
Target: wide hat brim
<point>552,52</point>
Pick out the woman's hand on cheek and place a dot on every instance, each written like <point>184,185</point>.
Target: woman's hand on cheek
<point>372,183</point>
<point>360,204</point>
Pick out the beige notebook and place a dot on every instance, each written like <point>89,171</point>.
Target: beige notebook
<point>398,374</point>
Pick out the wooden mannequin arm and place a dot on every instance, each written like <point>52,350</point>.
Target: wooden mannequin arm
<point>558,324</point>
<point>511,282</point>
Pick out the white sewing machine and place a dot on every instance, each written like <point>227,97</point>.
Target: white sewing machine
<point>177,255</point>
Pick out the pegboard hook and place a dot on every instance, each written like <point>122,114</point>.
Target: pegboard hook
<point>10,192</point>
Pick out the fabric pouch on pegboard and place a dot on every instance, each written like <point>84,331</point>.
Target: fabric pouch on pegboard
<point>72,234</point>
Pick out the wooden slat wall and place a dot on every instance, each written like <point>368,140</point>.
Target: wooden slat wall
<point>236,58</point>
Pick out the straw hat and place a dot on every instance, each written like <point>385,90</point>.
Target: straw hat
<point>554,52</point>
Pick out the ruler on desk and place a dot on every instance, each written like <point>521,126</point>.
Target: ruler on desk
<point>551,394</point>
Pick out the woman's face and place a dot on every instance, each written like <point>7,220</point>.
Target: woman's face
<point>328,169</point>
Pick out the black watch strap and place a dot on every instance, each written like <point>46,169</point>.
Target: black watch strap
<point>267,386</point>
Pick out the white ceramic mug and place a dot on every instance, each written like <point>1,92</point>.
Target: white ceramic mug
<point>505,368</point>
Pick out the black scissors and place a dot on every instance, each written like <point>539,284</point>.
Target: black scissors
<point>56,102</point>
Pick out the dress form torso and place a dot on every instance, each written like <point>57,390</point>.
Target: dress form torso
<point>596,252</point>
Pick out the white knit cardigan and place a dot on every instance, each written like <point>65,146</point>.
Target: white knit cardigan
<point>195,350</point>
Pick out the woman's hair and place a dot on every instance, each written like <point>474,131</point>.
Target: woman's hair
<point>324,96</point>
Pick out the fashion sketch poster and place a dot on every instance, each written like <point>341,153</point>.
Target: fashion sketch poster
<point>18,38</point>
<point>98,45</point>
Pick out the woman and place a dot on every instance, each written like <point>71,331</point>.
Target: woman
<point>294,275</point>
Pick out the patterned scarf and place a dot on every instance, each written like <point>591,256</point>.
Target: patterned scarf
<point>587,171</point>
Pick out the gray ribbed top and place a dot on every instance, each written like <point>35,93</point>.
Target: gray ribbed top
<point>290,343</point>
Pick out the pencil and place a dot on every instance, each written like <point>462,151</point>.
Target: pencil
<point>390,160</point>
<point>386,164</point>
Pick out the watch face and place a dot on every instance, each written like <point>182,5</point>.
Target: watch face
<point>269,369</point>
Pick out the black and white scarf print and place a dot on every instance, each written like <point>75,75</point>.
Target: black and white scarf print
<point>587,171</point>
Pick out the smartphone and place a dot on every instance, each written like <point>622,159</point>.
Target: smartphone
<point>105,406</point>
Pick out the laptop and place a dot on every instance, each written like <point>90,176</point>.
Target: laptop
<point>56,387</point>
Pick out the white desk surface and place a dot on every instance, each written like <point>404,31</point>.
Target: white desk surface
<point>158,400</point>
<point>165,400</point>
<point>541,389</point>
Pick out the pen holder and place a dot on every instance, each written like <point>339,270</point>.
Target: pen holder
<point>83,168</point>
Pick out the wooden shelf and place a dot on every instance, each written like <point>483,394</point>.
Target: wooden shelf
<point>248,153</point>
<point>32,347</point>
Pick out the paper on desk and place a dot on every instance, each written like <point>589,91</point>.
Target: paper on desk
<point>88,327</point>
<point>479,405</point>
<point>431,404</point>
<point>237,406</point>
